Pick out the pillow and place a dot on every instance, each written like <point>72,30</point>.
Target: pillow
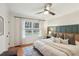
<point>65,41</point>
<point>54,34</point>
<point>60,38</point>
<point>52,38</point>
<point>57,40</point>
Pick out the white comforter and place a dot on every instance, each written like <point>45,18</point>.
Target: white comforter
<point>49,48</point>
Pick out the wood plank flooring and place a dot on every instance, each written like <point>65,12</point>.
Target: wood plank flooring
<point>19,49</point>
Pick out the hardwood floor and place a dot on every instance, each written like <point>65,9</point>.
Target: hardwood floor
<point>19,49</point>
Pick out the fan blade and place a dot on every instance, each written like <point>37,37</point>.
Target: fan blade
<point>40,12</point>
<point>51,13</point>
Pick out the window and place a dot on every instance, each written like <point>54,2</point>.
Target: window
<point>28,24</point>
<point>31,28</point>
<point>36,31</point>
<point>35,25</point>
<point>28,32</point>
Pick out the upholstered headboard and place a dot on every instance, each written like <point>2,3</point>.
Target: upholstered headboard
<point>71,38</point>
<point>77,37</point>
<point>61,35</point>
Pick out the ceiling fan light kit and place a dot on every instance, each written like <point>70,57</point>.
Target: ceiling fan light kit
<point>46,9</point>
<point>46,12</point>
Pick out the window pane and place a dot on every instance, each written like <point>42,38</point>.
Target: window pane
<point>35,31</point>
<point>28,32</point>
<point>28,24</point>
<point>36,25</point>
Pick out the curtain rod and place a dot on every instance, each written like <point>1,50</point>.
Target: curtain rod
<point>28,18</point>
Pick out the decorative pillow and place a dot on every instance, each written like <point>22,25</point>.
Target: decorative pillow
<point>52,38</point>
<point>65,41</point>
<point>57,40</point>
<point>60,39</point>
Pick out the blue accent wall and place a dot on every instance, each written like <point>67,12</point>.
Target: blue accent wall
<point>66,28</point>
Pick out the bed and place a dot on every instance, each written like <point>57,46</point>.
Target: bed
<point>48,47</point>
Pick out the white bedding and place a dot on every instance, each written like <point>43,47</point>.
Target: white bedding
<point>49,48</point>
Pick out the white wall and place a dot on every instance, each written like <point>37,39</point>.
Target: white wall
<point>68,19</point>
<point>12,29</point>
<point>4,38</point>
<point>43,25</point>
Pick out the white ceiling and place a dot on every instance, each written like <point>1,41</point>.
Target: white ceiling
<point>32,8</point>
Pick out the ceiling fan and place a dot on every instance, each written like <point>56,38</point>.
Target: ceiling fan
<point>47,9</point>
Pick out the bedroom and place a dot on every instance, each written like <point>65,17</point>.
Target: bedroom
<point>26,24</point>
